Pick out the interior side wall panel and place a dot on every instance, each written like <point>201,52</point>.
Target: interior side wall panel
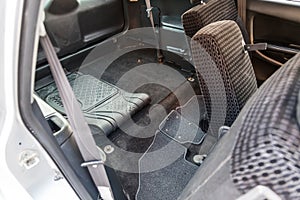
<point>276,22</point>
<point>85,22</point>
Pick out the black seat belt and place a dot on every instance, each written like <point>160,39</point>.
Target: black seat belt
<point>83,136</point>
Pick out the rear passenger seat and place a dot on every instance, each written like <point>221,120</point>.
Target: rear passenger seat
<point>261,150</point>
<point>225,72</point>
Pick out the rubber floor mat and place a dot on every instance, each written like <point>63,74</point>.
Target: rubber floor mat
<point>104,105</point>
<point>164,172</point>
<point>89,91</point>
<point>180,129</point>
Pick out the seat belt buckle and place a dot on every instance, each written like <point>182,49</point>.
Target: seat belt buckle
<point>93,163</point>
<point>255,47</point>
<point>149,10</point>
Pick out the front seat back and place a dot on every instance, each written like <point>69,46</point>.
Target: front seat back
<point>225,72</point>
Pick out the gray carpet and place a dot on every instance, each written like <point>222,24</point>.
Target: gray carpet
<point>164,172</point>
<point>181,130</point>
<point>194,111</point>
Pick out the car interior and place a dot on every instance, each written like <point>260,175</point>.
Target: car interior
<point>200,103</point>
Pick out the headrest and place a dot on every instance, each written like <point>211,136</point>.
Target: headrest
<point>204,14</point>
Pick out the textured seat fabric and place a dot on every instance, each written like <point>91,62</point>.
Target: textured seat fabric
<point>261,148</point>
<point>267,150</point>
<point>225,71</point>
<point>204,14</point>
<point>213,11</point>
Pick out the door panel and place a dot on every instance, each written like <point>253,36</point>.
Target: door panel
<point>276,22</point>
<point>281,35</point>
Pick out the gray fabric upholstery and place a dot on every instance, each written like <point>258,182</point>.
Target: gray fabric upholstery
<point>267,122</point>
<point>215,10</point>
<point>213,181</point>
<point>226,75</point>
<point>267,150</point>
<point>204,14</point>
<point>298,109</point>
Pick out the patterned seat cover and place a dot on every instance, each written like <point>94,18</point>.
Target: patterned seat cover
<point>213,11</point>
<point>267,150</point>
<point>204,14</point>
<point>225,72</point>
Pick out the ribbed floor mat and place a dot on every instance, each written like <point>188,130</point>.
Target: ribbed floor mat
<point>180,129</point>
<point>164,172</point>
<point>103,104</point>
<point>89,91</point>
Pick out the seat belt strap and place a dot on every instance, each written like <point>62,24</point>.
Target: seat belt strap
<point>242,5</point>
<point>82,133</point>
<point>150,13</point>
<point>156,33</point>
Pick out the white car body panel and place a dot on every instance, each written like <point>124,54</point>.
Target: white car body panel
<point>42,180</point>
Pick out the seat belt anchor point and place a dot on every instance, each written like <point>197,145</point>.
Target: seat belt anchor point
<point>93,163</point>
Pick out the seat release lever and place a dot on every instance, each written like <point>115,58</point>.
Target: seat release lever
<point>255,47</point>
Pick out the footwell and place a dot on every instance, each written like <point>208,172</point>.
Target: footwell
<point>164,171</point>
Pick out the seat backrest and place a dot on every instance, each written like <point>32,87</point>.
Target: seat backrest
<point>261,148</point>
<point>213,11</point>
<point>267,149</point>
<point>224,69</point>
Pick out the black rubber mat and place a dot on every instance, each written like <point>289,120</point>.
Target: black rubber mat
<point>164,172</point>
<point>180,129</point>
<point>104,105</point>
<point>89,91</point>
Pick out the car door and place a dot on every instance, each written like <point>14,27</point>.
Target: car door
<point>276,22</point>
